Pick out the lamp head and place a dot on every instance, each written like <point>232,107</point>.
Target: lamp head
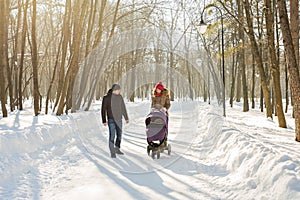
<point>202,26</point>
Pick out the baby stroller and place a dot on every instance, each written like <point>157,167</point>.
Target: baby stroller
<point>157,133</point>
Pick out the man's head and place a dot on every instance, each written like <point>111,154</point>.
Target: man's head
<point>116,89</point>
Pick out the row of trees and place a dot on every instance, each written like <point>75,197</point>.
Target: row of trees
<point>48,52</point>
<point>263,41</point>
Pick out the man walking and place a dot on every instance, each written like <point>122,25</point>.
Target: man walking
<point>113,109</point>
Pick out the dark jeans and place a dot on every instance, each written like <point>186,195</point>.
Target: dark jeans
<point>115,127</point>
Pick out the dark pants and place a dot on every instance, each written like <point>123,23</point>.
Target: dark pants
<point>115,127</point>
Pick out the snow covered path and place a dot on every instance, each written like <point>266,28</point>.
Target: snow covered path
<point>67,157</point>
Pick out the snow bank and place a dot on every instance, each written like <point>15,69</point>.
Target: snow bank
<point>34,133</point>
<point>242,156</point>
<point>262,163</point>
<point>27,141</point>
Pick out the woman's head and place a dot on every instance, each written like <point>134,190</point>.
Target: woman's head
<point>159,87</point>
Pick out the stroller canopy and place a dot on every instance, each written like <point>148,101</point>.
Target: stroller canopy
<point>156,125</point>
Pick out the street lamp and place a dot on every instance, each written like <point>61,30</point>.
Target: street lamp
<point>202,27</point>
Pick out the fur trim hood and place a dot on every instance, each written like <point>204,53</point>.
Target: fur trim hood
<point>164,93</point>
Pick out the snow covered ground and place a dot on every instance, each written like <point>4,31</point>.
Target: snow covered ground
<point>244,156</point>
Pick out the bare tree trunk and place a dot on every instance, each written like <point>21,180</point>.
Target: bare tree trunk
<point>35,61</point>
<point>186,46</point>
<point>292,63</point>
<point>233,73</point>
<point>100,24</point>
<point>294,26</point>
<point>274,67</point>
<point>171,75</point>
<point>244,81</point>
<point>74,63</point>
<point>238,86</point>
<point>261,102</point>
<point>91,22</point>
<point>278,47</point>
<point>242,63</point>
<point>205,93</point>
<point>65,40</point>
<point>253,84</point>
<point>76,56</point>
<point>273,101</point>
<point>213,72</point>
<point>97,42</point>
<point>105,52</point>
<point>3,57</point>
<point>286,84</point>
<point>23,43</point>
<point>133,59</point>
<point>84,77</point>
<point>53,77</point>
<point>15,54</point>
<point>258,59</point>
<point>191,93</point>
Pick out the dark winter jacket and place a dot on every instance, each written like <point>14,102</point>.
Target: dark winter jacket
<point>113,107</point>
<point>163,100</point>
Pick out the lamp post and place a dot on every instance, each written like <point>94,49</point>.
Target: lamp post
<point>202,27</point>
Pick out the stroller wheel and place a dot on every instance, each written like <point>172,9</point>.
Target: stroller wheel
<point>153,154</point>
<point>158,154</point>
<point>169,149</point>
<point>148,150</point>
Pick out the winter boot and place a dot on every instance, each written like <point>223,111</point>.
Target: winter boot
<point>113,155</point>
<point>118,151</point>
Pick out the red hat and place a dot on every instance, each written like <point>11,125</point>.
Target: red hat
<point>160,86</point>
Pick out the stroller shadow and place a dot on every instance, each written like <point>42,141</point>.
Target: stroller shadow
<point>132,172</point>
<point>150,180</point>
<point>189,167</point>
<point>123,164</point>
<point>193,169</point>
<point>94,158</point>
